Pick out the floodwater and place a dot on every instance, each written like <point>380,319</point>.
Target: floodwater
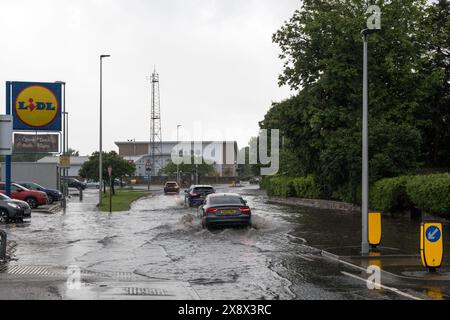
<point>161,239</point>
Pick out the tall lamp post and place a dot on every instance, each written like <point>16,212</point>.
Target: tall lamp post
<point>63,171</point>
<point>100,169</point>
<point>178,151</point>
<point>365,146</point>
<point>66,143</point>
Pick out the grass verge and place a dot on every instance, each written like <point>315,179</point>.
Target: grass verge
<point>122,200</point>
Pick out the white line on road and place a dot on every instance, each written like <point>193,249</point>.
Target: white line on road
<point>395,290</point>
<point>304,257</point>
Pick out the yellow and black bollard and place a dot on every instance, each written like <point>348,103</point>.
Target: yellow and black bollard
<point>431,245</point>
<point>374,229</point>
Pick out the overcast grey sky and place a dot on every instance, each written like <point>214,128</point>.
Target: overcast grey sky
<point>217,63</point>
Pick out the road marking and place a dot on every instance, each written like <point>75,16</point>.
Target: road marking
<point>395,290</point>
<point>305,258</point>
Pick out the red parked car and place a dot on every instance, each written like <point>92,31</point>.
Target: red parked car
<point>33,198</point>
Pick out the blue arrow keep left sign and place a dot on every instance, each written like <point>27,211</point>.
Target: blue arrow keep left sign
<point>433,234</point>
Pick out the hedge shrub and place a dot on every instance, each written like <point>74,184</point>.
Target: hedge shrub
<point>306,187</point>
<point>429,193</point>
<point>301,187</point>
<point>389,194</point>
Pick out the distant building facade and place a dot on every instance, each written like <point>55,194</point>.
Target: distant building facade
<point>223,153</point>
<point>76,162</point>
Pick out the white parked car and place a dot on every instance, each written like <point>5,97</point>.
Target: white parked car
<point>93,185</point>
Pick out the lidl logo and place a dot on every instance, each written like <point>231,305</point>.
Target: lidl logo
<point>37,106</point>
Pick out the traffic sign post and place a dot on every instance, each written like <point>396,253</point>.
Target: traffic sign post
<point>148,170</point>
<point>110,188</point>
<point>431,245</point>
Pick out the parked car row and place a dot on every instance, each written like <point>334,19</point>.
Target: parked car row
<point>34,198</point>
<point>96,184</point>
<point>25,196</point>
<point>52,194</point>
<point>74,183</point>
<point>13,210</point>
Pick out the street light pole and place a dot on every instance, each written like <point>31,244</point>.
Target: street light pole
<point>365,146</point>
<point>365,153</point>
<point>100,157</point>
<point>63,172</point>
<point>178,151</point>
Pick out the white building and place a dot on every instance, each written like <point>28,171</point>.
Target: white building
<point>75,163</point>
<point>222,153</point>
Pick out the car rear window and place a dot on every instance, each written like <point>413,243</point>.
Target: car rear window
<point>204,189</point>
<point>226,200</point>
<point>171,184</point>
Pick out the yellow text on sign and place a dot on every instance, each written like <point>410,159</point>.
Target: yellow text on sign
<point>64,161</point>
<point>431,245</point>
<point>374,229</point>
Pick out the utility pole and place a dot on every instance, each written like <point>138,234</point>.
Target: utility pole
<point>178,151</point>
<point>100,156</point>
<point>365,155</point>
<point>365,248</point>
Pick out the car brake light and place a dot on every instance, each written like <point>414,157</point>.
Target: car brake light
<point>244,210</point>
<point>212,210</point>
<point>194,194</point>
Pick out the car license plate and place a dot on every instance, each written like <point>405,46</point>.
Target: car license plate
<point>228,211</point>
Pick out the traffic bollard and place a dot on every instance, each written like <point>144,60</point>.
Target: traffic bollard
<point>3,242</point>
<point>81,194</point>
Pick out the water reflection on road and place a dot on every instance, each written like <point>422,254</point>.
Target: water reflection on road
<point>162,239</point>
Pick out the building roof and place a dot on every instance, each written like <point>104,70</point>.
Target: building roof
<point>73,160</point>
<point>170,142</point>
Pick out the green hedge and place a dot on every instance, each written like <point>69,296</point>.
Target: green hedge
<point>301,187</point>
<point>429,193</point>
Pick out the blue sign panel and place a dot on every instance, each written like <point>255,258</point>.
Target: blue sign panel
<point>36,106</point>
<point>433,234</point>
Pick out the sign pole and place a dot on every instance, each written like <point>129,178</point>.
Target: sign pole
<point>110,194</point>
<point>110,188</point>
<point>8,157</point>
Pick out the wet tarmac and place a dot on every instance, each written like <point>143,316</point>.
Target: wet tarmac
<point>160,241</point>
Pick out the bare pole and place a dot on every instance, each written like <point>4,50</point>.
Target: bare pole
<point>100,156</point>
<point>365,152</point>
<point>178,166</point>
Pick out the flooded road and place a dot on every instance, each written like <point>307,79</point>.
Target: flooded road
<point>160,239</point>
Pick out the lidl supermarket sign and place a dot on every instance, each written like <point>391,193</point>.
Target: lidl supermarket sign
<point>36,106</point>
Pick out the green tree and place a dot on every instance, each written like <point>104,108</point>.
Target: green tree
<point>120,167</point>
<point>321,46</point>
<point>435,85</point>
<point>202,169</point>
<point>73,152</point>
